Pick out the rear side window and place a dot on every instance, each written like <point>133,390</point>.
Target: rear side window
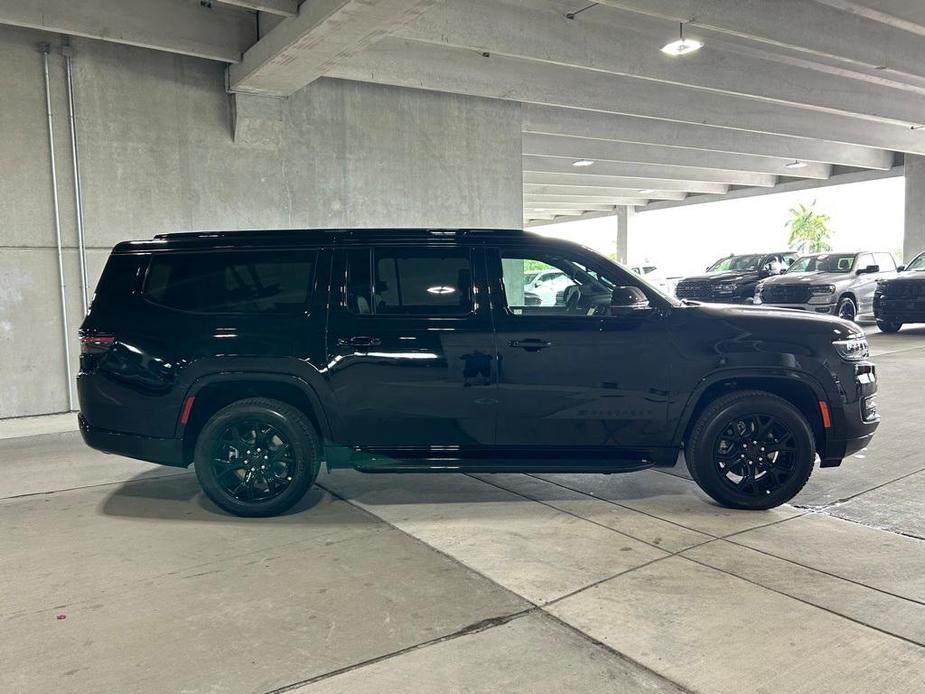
<point>232,281</point>
<point>410,282</point>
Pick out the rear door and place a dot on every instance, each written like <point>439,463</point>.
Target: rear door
<point>410,349</point>
<point>572,378</point>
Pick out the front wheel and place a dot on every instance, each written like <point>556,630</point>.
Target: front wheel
<point>847,309</point>
<point>751,450</point>
<point>257,457</point>
<point>887,327</point>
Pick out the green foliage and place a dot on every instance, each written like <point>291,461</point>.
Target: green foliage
<point>809,230</point>
<point>535,265</point>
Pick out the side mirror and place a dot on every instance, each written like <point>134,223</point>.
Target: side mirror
<point>900,268</point>
<point>628,300</point>
<point>869,270</point>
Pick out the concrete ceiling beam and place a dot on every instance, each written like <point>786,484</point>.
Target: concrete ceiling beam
<point>622,183</point>
<point>547,120</point>
<point>540,164</point>
<point>605,41</point>
<point>553,200</point>
<point>301,49</point>
<point>174,26</point>
<point>400,62</point>
<point>809,27</point>
<point>281,8</point>
<point>599,193</point>
<point>574,148</point>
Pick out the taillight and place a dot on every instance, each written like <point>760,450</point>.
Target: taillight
<point>96,343</point>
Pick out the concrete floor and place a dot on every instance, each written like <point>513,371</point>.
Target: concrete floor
<point>119,576</point>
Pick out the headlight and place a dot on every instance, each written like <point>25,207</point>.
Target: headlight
<point>854,348</point>
<point>822,289</point>
<point>726,287</point>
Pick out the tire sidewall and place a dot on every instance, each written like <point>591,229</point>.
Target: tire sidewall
<point>708,475</point>
<point>304,454</point>
<point>887,327</point>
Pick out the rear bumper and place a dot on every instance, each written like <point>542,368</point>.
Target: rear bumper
<point>154,450</point>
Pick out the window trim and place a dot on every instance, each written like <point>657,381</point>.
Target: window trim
<point>343,304</point>
<point>311,286</point>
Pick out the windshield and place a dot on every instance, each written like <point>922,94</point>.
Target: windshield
<point>746,263</point>
<point>918,262</point>
<point>825,262</point>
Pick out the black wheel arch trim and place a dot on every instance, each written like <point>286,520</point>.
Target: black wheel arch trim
<point>728,375</point>
<point>321,412</point>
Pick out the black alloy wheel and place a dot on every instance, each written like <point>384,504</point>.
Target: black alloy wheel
<point>252,460</point>
<point>754,454</point>
<point>257,457</point>
<point>751,449</point>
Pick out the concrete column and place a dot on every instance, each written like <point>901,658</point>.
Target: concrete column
<point>914,237</point>
<point>624,217</point>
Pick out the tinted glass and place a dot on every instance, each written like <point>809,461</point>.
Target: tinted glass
<point>417,282</point>
<point>918,263</point>
<point>745,263</point>
<point>231,282</point>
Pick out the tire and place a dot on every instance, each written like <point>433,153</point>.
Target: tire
<point>887,327</point>
<point>846,309</point>
<point>762,483</point>
<point>257,457</point>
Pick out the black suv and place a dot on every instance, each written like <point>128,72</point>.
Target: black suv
<point>257,356</point>
<point>732,280</point>
<point>901,300</point>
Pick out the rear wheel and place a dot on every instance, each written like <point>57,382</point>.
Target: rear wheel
<point>257,457</point>
<point>887,327</point>
<point>847,309</point>
<point>751,450</point>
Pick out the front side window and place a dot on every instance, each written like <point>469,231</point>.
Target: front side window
<point>410,282</point>
<point>573,288</point>
<point>231,281</point>
<point>885,261</point>
<point>918,263</point>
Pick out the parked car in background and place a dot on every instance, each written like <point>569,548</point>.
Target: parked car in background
<point>655,276</point>
<point>542,287</point>
<point>902,299</point>
<point>840,284</point>
<point>732,280</point>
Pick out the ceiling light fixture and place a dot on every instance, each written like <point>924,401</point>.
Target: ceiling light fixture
<point>646,191</point>
<point>582,162</point>
<point>682,46</point>
<point>795,164</point>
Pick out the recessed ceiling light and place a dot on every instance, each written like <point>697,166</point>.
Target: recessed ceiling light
<point>582,162</point>
<point>795,164</point>
<point>682,46</point>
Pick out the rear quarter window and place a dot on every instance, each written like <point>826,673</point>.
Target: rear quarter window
<point>273,282</point>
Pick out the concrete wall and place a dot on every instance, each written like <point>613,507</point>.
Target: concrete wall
<point>164,148</point>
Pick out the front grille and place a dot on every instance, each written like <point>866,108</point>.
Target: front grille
<point>901,290</point>
<point>785,294</point>
<point>696,290</point>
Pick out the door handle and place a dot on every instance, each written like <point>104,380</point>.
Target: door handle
<point>531,344</point>
<point>360,341</point>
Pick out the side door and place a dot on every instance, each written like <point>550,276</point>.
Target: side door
<point>410,349</point>
<point>572,377</point>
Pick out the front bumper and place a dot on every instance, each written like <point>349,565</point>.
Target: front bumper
<point>821,309</point>
<point>899,310</point>
<point>855,420</point>
<point>154,450</point>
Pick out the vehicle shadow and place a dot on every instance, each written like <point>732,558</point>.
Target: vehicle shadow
<point>178,497</point>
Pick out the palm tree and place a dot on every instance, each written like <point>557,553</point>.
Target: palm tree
<point>809,230</point>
